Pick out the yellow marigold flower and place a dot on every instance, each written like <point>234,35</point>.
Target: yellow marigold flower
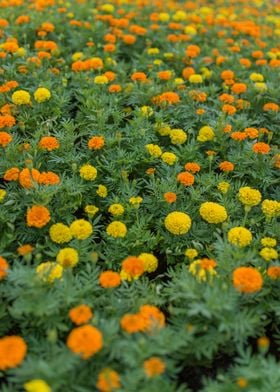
<point>195,78</point>
<point>116,229</point>
<point>2,195</point>
<point>21,97</point>
<point>177,223</point>
<point>163,129</point>
<point>268,241</point>
<point>271,208</point>
<point>102,191</point>
<point>147,111</point>
<point>205,134</point>
<point>109,8</point>
<point>150,261</point>
<point>116,209</point>
<point>81,229</point>
<point>261,86</point>
<point>256,77</point>
<point>179,81</point>
<point>203,268</point>
<point>164,17</point>
<point>101,79</point>
<point>269,254</point>
<point>169,158</point>
<point>42,94</point>
<point>239,236</point>
<point>135,200</point>
<point>191,253</point>
<point>213,212</point>
<point>88,172</point>
<point>152,51</point>
<point>37,385</point>
<point>49,271</point>
<point>60,233</point>
<point>67,257</point>
<point>177,136</point>
<point>249,197</point>
<point>77,56</point>
<point>154,150</point>
<point>91,210</point>
<point>223,186</point>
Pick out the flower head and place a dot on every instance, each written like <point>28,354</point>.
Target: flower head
<point>177,223</point>
<point>247,280</point>
<point>85,341</point>
<point>213,212</point>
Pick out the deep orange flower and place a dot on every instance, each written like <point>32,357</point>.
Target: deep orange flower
<point>110,75</point>
<point>11,174</point>
<point>139,77</point>
<point>132,323</point>
<point>185,178</point>
<point>108,380</point>
<point>38,216</point>
<point>129,39</point>
<point>24,249</point>
<point>168,97</point>
<point>228,109</point>
<point>193,51</point>
<point>27,177</point>
<point>4,266</point>
<point>226,166</point>
<point>270,106</point>
<point>96,142</point>
<point>154,366</point>
<point>5,139</point>
<point>153,317</point>
<point>85,341</point>
<point>114,88</point>
<point>187,72</point>
<point>133,266</point>
<point>238,136</point>
<point>273,272</point>
<point>192,167</point>
<point>227,74</point>
<point>49,143</point>
<point>247,279</point>
<point>164,75</point>
<point>48,178</point>
<point>261,148</point>
<point>12,352</point>
<point>226,98</point>
<point>252,133</point>
<point>170,197</point>
<point>80,314</point>
<point>239,88</point>
<point>109,279</point>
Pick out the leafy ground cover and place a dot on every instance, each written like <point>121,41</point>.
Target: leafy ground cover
<point>139,196</point>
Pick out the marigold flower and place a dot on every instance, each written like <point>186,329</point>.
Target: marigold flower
<point>192,167</point>
<point>169,97</point>
<point>116,229</point>
<point>96,142</point>
<point>42,94</point>
<point>11,174</point>
<point>138,77</point>
<point>177,223</point>
<point>109,279</point>
<point>21,97</point>
<point>27,177</point>
<point>25,249</point>
<point>226,166</point>
<point>273,272</point>
<point>195,79</point>
<point>153,318</point>
<point>154,150</point>
<point>270,106</point>
<point>185,178</point>
<point>49,143</point>
<point>191,253</point>
<point>213,212</point>
<point>238,88</point>
<point>247,280</point>
<point>252,133</point>
<point>133,266</point>
<point>228,109</point>
<point>49,271</point>
<point>67,257</point>
<point>80,314</point>
<point>268,241</point>
<point>116,209</point>
<point>91,210</point>
<point>88,172</point>
<point>203,268</point>
<point>240,236</point>
<point>132,323</point>
<point>38,216</point>
<point>101,191</point>
<point>85,341</point>
<point>108,380</point>
<point>37,385</point>
<point>177,136</point>
<point>5,139</point>
<point>223,186</point>
<point>81,229</point>
<point>154,366</point>
<point>150,261</point>
<point>170,197</point>
<point>169,158</point>
<point>205,134</point>
<point>261,148</point>
<point>4,266</point>
<point>269,254</point>
<point>238,136</point>
<point>12,352</point>
<point>60,233</point>
<point>271,208</point>
<point>249,197</point>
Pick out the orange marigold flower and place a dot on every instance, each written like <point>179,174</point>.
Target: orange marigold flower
<point>252,133</point>
<point>227,128</point>
<point>5,139</point>
<point>273,272</point>
<point>153,317</point>
<point>27,177</point>
<point>168,97</point>
<point>187,72</point>
<point>11,174</point>
<point>226,166</point>
<point>185,178</point>
<point>139,77</point>
<point>38,216</point>
<point>238,136</point>
<point>227,74</point>
<point>85,341</point>
<point>96,142</point>
<point>261,148</point>
<point>12,352</point>
<point>170,197</point>
<point>108,380</point>
<point>133,266</point>
<point>192,167</point>
<point>110,75</point>
<point>164,75</point>
<point>228,109</point>
<point>80,314</point>
<point>24,249</point>
<point>4,266</point>
<point>132,323</point>
<point>226,98</point>
<point>193,51</point>
<point>270,106</point>
<point>247,279</point>
<point>109,279</point>
<point>129,39</point>
<point>154,366</point>
<point>114,88</point>
<point>239,88</point>
<point>48,178</point>
<point>49,143</point>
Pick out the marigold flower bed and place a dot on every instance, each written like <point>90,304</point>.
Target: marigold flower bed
<point>139,196</point>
